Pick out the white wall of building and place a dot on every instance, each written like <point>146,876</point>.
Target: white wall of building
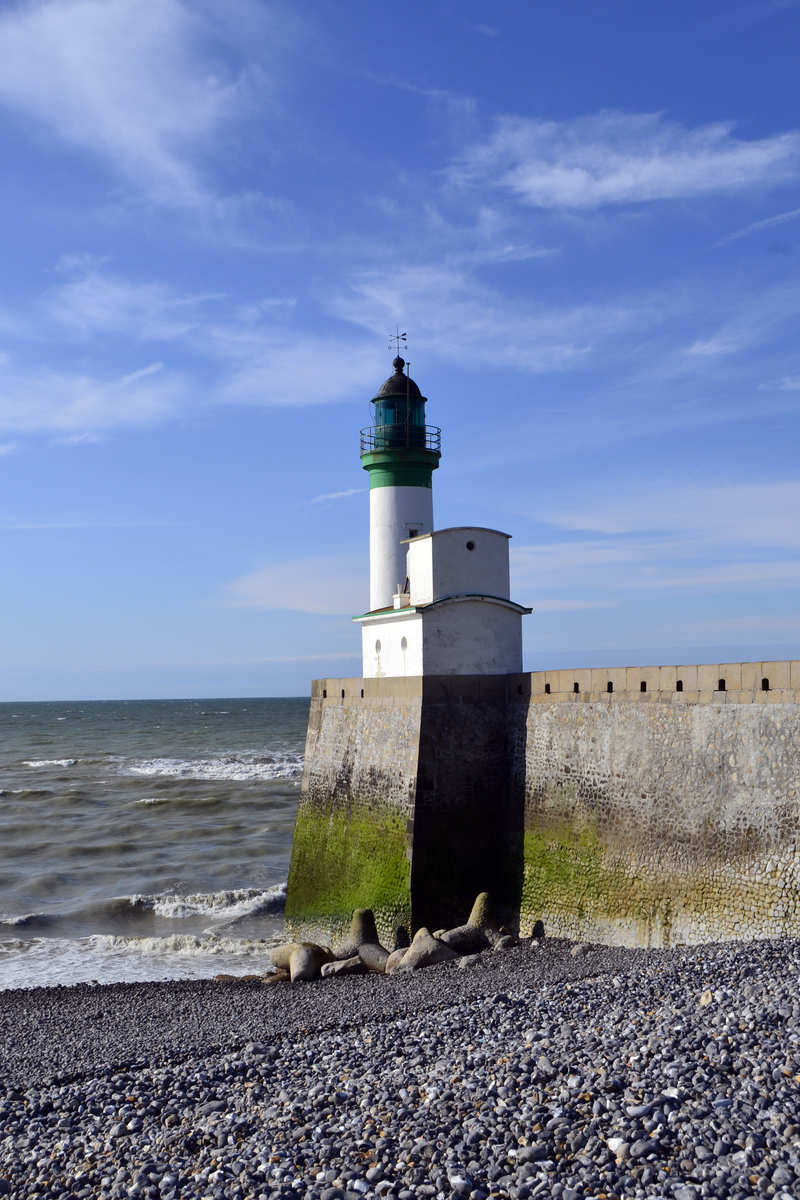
<point>456,637</point>
<point>456,562</point>
<point>395,513</point>
<point>471,637</point>
<point>392,646</point>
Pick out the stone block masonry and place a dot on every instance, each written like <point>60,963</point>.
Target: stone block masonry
<point>641,806</point>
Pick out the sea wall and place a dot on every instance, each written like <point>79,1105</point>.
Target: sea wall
<point>665,809</point>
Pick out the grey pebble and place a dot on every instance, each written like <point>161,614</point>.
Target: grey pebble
<point>535,1075</point>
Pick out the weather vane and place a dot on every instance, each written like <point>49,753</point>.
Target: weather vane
<point>398,341</point>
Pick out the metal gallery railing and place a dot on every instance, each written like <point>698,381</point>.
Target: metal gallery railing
<point>401,437</point>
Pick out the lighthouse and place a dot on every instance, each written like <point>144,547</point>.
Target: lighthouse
<point>439,599</point>
<point>400,452</point>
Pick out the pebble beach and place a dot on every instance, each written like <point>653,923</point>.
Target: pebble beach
<point>544,1070</point>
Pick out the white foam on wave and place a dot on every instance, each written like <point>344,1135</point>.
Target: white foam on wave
<point>233,767</point>
<point>191,944</point>
<point>49,762</point>
<point>17,918</point>
<point>151,800</point>
<point>100,958</point>
<point>224,905</point>
<point>218,910</point>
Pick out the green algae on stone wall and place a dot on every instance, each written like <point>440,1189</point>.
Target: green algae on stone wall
<point>659,824</point>
<point>348,858</point>
<point>582,888</point>
<point>578,887</point>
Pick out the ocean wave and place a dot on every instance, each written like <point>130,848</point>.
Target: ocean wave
<point>234,767</point>
<point>224,905</point>
<point>27,921</point>
<point>227,907</point>
<point>99,958</point>
<point>180,944</point>
<point>27,792</point>
<point>49,762</point>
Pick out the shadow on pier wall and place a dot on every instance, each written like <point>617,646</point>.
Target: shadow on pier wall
<point>469,812</point>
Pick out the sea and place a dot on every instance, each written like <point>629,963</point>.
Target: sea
<point>144,839</point>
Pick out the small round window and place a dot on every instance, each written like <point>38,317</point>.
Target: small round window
<point>470,545</point>
<point>403,643</point>
<point>378,646</point>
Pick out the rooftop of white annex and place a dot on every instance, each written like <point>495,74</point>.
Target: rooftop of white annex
<point>465,561</point>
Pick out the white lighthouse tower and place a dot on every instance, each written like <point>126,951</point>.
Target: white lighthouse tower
<point>439,602</point>
<point>401,453</point>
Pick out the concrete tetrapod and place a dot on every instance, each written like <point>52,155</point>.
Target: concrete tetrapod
<point>373,956</point>
<point>362,930</point>
<point>425,951</point>
<point>343,966</point>
<point>482,913</point>
<point>394,959</point>
<point>280,955</point>
<point>362,943</point>
<point>475,934</point>
<point>467,939</point>
<point>306,961</point>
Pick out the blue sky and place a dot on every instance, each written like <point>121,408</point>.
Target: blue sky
<point>586,216</point>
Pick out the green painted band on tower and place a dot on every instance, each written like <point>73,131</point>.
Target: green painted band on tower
<point>393,468</point>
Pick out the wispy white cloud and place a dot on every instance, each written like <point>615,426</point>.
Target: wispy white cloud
<point>720,344</point>
<point>257,352</point>
<point>142,373</point>
<point>491,235</point>
<point>613,158</point>
<point>753,12</point>
<point>555,571</point>
<point>756,514</point>
<point>264,358</point>
<point>757,226</point>
<point>459,316</point>
<point>62,402</point>
<point>671,539</point>
<point>789,383</point>
<point>327,496</point>
<point>749,322</point>
<point>144,84</point>
<point>83,438</point>
<point>323,584</point>
<point>95,302</point>
<point>293,368</point>
<point>252,353</point>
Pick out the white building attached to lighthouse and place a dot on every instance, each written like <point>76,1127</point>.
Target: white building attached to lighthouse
<point>439,601</point>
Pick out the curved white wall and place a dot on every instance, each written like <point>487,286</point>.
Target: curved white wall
<point>471,637</point>
<point>395,513</point>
